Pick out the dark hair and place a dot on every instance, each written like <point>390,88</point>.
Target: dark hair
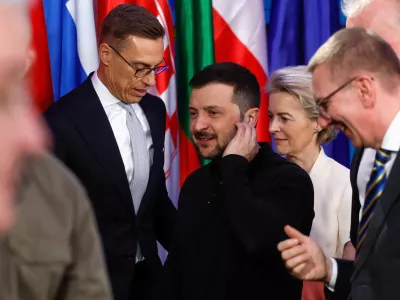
<point>127,19</point>
<point>246,90</point>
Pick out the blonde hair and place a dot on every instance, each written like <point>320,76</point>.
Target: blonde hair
<point>296,81</point>
<point>356,49</point>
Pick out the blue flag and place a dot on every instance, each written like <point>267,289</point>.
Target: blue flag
<point>71,34</point>
<point>297,29</point>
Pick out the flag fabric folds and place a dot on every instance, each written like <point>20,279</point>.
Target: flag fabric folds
<point>71,34</point>
<point>240,36</point>
<point>40,73</point>
<point>195,50</point>
<point>297,29</point>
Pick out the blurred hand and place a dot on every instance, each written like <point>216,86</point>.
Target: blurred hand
<point>244,143</point>
<point>304,258</point>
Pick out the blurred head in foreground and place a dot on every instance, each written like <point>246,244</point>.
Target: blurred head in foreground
<point>21,131</point>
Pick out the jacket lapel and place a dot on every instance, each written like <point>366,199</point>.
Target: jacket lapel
<point>390,195</point>
<point>355,209</point>
<point>91,120</point>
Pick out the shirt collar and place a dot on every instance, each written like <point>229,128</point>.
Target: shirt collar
<point>391,140</point>
<point>106,98</point>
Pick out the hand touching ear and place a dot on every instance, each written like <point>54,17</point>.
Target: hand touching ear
<point>244,143</point>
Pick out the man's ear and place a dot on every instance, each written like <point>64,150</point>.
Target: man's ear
<point>366,91</point>
<point>104,54</point>
<point>251,116</point>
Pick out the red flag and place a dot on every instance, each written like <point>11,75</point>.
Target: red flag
<point>239,36</point>
<point>40,72</point>
<point>104,7</point>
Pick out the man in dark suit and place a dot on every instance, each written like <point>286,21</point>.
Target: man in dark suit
<point>232,211</point>
<point>110,133</point>
<point>356,79</point>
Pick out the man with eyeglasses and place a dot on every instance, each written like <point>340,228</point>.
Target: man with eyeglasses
<point>110,132</point>
<point>356,79</point>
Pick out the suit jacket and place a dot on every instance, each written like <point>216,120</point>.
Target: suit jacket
<point>231,217</point>
<point>375,274</point>
<point>85,142</point>
<point>53,252</point>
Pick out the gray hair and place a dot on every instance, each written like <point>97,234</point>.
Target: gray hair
<point>296,81</point>
<point>352,8</point>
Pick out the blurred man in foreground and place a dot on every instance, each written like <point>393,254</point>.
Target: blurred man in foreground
<point>21,132</point>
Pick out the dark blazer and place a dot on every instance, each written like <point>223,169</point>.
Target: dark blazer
<point>375,274</point>
<point>84,141</point>
<point>230,219</point>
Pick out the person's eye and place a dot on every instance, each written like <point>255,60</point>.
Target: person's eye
<point>214,114</point>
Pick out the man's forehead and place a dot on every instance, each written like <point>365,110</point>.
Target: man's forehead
<point>320,82</point>
<point>214,94</point>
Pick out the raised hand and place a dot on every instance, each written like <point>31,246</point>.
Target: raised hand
<point>303,258</point>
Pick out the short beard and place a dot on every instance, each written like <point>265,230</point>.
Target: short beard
<point>219,150</point>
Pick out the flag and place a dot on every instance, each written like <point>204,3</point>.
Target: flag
<point>40,73</point>
<point>72,42</point>
<point>195,50</point>
<point>165,86</point>
<point>297,29</point>
<point>104,7</point>
<point>240,37</point>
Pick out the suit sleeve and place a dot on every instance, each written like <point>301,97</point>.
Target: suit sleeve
<point>165,211</point>
<point>167,288</point>
<point>342,286</point>
<point>258,219</point>
<point>87,275</point>
<point>165,216</point>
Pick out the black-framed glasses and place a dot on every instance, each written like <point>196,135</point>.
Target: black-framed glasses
<point>142,72</point>
<point>323,103</point>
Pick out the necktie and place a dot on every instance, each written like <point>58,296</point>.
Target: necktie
<point>375,187</point>
<point>141,165</point>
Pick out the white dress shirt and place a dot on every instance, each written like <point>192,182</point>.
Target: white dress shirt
<point>332,205</point>
<point>391,142</point>
<point>117,117</point>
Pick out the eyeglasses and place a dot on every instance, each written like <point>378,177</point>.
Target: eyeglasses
<point>323,103</point>
<point>142,72</point>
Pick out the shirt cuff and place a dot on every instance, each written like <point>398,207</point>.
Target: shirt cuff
<point>332,282</point>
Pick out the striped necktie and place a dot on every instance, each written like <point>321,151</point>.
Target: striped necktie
<point>374,190</point>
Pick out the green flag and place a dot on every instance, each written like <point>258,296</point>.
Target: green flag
<point>195,50</point>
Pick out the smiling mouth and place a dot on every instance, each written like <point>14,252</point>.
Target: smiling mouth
<point>204,138</point>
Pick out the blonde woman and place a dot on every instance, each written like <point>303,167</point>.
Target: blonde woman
<point>293,124</point>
